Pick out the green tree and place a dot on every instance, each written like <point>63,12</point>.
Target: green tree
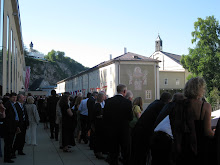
<point>51,56</point>
<point>213,97</point>
<point>204,59</point>
<point>60,55</point>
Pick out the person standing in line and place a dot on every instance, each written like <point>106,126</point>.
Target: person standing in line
<point>23,124</point>
<point>67,127</point>
<point>51,106</point>
<point>34,119</point>
<point>91,116</point>
<point>98,129</point>
<point>10,127</point>
<point>116,117</point>
<point>83,110</point>
<point>76,108</point>
<point>129,95</point>
<point>137,109</point>
<point>59,122</point>
<point>2,116</point>
<point>144,129</point>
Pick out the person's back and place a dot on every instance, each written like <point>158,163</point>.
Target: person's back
<point>143,130</point>
<point>116,113</point>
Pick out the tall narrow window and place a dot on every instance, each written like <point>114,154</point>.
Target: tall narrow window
<point>15,69</point>
<point>1,44</point>
<point>177,81</point>
<point>7,60</point>
<point>12,62</point>
<point>166,81</point>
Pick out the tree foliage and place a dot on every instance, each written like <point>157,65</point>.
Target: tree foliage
<point>204,59</point>
<point>59,56</point>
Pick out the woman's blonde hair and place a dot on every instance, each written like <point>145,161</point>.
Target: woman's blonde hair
<point>195,87</point>
<point>30,100</point>
<point>138,101</point>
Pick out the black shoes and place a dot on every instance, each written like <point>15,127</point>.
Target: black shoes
<point>8,161</point>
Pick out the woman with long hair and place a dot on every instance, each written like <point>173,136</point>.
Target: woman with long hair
<point>194,133</point>
<point>67,123</point>
<point>137,109</point>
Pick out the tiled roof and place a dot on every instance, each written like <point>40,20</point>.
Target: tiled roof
<point>175,57</point>
<point>125,57</point>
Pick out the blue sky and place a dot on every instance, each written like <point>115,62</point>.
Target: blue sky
<point>90,30</point>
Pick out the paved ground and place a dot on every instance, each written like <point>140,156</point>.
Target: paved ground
<point>47,152</point>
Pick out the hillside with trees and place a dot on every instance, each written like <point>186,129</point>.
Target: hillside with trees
<point>54,68</point>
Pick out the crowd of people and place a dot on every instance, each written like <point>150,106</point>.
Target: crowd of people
<point>172,130</point>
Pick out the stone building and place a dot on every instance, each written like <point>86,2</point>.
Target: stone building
<point>172,74</point>
<point>139,73</point>
<point>12,62</point>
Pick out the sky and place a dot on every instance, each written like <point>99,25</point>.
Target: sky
<point>89,31</point>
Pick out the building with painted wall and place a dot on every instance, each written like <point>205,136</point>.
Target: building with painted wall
<point>139,73</point>
<point>12,61</point>
<point>173,76</point>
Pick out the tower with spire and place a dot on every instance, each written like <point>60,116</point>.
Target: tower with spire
<point>31,46</point>
<point>158,44</point>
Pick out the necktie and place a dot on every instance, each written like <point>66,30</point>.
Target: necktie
<point>23,112</point>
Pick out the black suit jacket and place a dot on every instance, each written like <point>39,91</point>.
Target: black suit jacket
<point>117,114</point>
<point>148,118</point>
<point>10,124</point>
<point>167,109</point>
<point>51,107</point>
<point>23,124</point>
<point>90,106</point>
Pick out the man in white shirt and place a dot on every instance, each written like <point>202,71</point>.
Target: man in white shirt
<point>84,119</point>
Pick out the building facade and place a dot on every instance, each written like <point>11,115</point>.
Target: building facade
<point>12,61</point>
<point>173,76</point>
<point>139,73</point>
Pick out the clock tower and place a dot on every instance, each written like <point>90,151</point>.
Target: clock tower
<point>158,44</point>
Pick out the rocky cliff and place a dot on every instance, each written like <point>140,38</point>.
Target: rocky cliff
<point>50,72</point>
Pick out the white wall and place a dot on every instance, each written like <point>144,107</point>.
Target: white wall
<point>167,63</point>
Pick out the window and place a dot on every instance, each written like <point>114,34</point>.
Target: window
<point>148,94</point>
<point>177,81</point>
<point>166,81</point>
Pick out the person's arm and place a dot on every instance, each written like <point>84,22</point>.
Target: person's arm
<point>137,111</point>
<point>207,120</point>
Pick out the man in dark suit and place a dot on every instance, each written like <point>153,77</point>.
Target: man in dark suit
<point>91,116</point>
<point>51,107</point>
<point>23,124</point>
<point>116,117</point>
<point>10,127</point>
<point>144,129</point>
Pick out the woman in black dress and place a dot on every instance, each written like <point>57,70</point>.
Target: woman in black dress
<point>67,123</point>
<point>98,109</point>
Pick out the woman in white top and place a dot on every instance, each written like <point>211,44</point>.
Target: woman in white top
<point>34,119</point>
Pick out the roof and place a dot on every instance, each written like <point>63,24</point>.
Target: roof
<point>36,84</point>
<point>174,57</point>
<point>124,57</point>
<point>158,38</point>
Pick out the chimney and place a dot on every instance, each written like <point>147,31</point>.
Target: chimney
<point>110,56</point>
<point>125,50</point>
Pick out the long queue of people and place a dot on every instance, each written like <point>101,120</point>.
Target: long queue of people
<point>172,130</point>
